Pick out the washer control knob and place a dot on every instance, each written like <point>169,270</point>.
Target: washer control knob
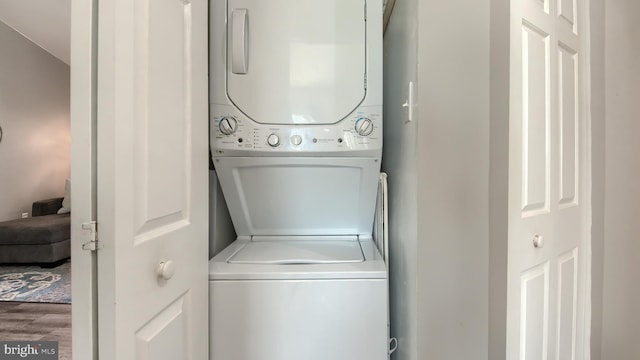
<point>228,125</point>
<point>296,139</point>
<point>364,126</point>
<point>273,140</point>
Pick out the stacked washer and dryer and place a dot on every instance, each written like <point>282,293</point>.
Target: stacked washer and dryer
<point>296,138</point>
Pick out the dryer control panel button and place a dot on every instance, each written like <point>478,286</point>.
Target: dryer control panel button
<point>273,140</point>
<point>296,139</point>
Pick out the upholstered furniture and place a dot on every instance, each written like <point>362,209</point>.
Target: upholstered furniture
<point>43,238</point>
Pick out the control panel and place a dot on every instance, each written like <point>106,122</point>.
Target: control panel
<point>232,133</point>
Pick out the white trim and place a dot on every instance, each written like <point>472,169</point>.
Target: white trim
<point>585,20</point>
<point>83,180</point>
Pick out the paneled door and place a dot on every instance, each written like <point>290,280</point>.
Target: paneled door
<point>152,179</point>
<point>548,181</point>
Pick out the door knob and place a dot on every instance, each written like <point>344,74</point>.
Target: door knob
<point>538,242</point>
<point>166,269</point>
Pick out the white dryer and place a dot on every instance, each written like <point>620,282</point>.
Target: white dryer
<point>296,138</point>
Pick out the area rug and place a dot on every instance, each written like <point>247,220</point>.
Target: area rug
<point>31,283</point>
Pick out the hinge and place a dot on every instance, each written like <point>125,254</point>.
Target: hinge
<point>92,244</point>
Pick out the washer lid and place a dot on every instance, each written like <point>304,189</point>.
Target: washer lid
<point>281,252</point>
<point>294,196</point>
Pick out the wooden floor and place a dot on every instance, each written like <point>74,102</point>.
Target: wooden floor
<point>37,321</point>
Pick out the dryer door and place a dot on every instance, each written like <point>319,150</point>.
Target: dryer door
<point>296,62</point>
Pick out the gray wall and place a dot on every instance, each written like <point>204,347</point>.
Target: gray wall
<point>221,231</point>
<point>438,170</point>
<point>499,177</point>
<point>34,114</point>
<point>597,171</point>
<point>400,162</point>
<point>453,173</point>
<point>621,294</point>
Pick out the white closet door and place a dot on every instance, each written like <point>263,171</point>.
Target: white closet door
<point>548,179</point>
<point>152,178</point>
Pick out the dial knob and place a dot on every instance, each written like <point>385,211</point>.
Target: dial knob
<point>273,140</point>
<point>364,126</point>
<point>228,125</point>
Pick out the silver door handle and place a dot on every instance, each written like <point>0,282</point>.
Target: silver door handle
<point>239,41</point>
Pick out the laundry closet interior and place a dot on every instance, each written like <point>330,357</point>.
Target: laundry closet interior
<point>297,200</point>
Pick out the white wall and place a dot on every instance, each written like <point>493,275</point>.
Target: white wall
<point>34,114</point>
<point>621,294</point>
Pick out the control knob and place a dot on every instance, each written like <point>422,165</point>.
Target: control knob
<point>364,126</point>
<point>228,125</point>
<point>273,140</point>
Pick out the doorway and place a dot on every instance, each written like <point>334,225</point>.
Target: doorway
<point>35,274</point>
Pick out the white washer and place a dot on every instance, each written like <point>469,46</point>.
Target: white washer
<point>281,296</point>
<point>296,139</point>
<point>319,299</point>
